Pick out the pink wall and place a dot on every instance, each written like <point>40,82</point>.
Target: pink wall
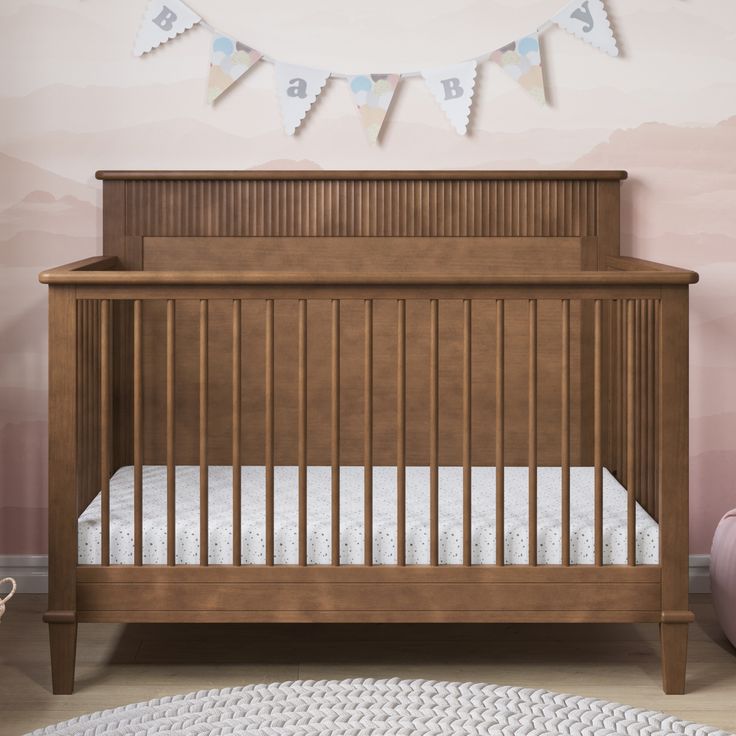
<point>76,100</point>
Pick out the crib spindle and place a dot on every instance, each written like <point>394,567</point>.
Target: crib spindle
<point>532,431</point>
<point>401,434</point>
<point>500,416</point>
<point>335,432</point>
<point>105,426</point>
<point>597,433</point>
<point>565,432</point>
<point>203,422</point>
<point>467,434</point>
<point>368,437</point>
<point>651,416</point>
<point>630,433</point>
<point>302,439</point>
<point>237,407</point>
<point>434,362</point>
<point>170,432</point>
<point>137,434</point>
<point>269,430</point>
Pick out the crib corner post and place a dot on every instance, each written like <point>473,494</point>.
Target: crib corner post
<point>62,599</point>
<point>673,487</point>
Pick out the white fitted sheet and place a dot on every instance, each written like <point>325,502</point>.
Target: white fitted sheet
<point>351,517</point>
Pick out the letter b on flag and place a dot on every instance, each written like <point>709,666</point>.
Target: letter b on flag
<point>165,19</point>
<point>452,88</point>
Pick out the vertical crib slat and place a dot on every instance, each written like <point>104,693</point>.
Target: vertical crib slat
<point>335,432</point>
<point>597,433</point>
<point>269,430</point>
<point>137,434</point>
<point>532,431</point>
<point>630,434</point>
<point>302,440</point>
<point>105,427</point>
<point>203,421</point>
<point>237,408</point>
<point>401,434</point>
<point>368,437</point>
<point>467,438</point>
<point>170,432</point>
<point>500,416</point>
<point>651,416</point>
<point>565,432</point>
<point>657,402</point>
<point>434,384</point>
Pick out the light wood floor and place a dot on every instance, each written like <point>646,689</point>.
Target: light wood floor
<point>125,664</point>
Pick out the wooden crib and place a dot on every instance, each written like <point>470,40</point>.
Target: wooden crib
<point>459,323</point>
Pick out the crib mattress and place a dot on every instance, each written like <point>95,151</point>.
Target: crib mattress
<point>351,517</point>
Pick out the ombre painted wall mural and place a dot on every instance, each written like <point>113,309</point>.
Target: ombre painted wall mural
<point>74,99</point>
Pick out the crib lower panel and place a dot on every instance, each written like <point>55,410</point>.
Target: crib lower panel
<point>365,595</point>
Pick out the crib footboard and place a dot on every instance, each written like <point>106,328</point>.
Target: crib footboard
<point>566,370</point>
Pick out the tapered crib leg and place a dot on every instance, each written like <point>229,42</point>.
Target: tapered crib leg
<point>63,640</point>
<point>673,637</point>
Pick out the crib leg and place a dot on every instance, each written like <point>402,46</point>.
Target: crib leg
<point>63,641</point>
<point>673,637</point>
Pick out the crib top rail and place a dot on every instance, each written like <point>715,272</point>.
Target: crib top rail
<point>373,175</point>
<point>105,270</point>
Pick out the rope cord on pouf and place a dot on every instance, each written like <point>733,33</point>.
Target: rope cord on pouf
<point>367,706</point>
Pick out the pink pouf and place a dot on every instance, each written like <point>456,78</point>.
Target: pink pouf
<point>723,574</point>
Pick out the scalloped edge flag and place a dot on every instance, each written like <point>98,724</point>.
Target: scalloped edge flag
<point>453,88</point>
<point>162,21</point>
<point>298,88</point>
<point>588,21</point>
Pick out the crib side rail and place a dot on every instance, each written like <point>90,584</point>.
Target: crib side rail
<point>631,391</point>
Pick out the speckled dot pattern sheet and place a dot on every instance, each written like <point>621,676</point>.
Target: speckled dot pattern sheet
<point>516,541</point>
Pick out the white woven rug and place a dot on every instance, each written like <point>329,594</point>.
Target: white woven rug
<point>357,707</point>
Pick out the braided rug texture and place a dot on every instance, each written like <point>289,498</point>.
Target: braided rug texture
<point>367,706</point>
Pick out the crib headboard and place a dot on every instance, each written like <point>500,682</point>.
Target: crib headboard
<point>433,222</point>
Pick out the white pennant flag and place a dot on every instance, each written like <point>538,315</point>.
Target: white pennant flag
<point>453,88</point>
<point>297,87</point>
<point>588,21</point>
<point>162,21</point>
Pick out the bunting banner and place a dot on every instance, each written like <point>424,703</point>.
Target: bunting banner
<point>162,21</point>
<point>229,60</point>
<point>453,85</point>
<point>372,94</point>
<point>588,21</point>
<point>297,88</point>
<point>453,88</point>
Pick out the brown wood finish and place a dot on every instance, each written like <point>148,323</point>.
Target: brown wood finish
<point>439,285</point>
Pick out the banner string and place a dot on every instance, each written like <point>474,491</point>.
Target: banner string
<point>338,75</point>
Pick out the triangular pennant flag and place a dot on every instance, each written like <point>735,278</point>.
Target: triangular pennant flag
<point>588,20</point>
<point>453,88</point>
<point>162,21</point>
<point>522,61</point>
<point>229,60</point>
<point>373,94</point>
<point>297,88</point>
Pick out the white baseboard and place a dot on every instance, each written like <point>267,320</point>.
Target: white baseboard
<point>700,573</point>
<point>31,573</point>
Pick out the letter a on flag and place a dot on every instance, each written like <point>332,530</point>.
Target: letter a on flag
<point>588,21</point>
<point>297,88</point>
<point>453,88</point>
<point>162,21</point>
